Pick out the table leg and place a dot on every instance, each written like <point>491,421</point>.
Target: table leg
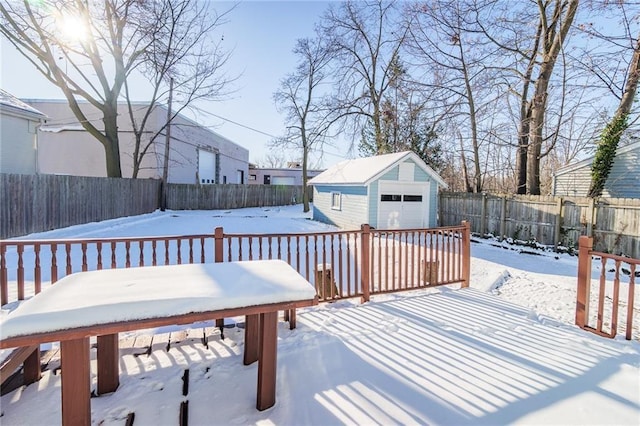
<point>31,367</point>
<point>267,360</point>
<point>76,382</point>
<point>251,338</point>
<point>292,319</point>
<point>108,368</point>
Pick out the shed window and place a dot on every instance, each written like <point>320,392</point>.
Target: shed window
<point>336,201</point>
<point>391,197</point>
<point>413,198</point>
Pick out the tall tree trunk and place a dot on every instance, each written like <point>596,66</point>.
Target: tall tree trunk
<point>305,158</point>
<point>608,144</point>
<point>465,172</point>
<point>553,42</point>
<point>111,145</point>
<point>477,178</point>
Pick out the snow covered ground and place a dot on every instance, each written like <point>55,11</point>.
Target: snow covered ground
<point>504,351</point>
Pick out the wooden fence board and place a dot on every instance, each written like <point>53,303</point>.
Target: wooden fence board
<point>36,203</point>
<point>614,223</point>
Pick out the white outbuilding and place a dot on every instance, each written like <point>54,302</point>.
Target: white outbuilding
<point>390,191</point>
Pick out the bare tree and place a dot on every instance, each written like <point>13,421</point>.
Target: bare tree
<point>366,36</point>
<point>556,18</point>
<point>109,45</point>
<point>624,89</point>
<point>182,46</point>
<point>301,100</point>
<point>445,41</point>
<point>163,39</point>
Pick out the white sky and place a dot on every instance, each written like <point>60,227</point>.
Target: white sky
<point>504,352</point>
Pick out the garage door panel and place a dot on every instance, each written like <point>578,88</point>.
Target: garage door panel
<point>402,205</point>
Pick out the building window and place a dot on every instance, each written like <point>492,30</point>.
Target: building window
<point>413,198</point>
<point>224,179</point>
<point>336,201</point>
<point>252,177</point>
<point>391,197</point>
<point>267,179</point>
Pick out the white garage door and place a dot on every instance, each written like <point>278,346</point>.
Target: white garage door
<point>282,180</point>
<point>206,167</point>
<point>403,205</point>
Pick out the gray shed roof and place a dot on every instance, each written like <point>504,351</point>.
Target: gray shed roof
<point>362,171</point>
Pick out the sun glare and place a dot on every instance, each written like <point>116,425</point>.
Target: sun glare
<point>72,28</point>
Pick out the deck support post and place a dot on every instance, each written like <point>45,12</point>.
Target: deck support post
<point>585,245</point>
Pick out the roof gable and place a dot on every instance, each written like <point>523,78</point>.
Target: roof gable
<point>10,103</point>
<point>362,171</point>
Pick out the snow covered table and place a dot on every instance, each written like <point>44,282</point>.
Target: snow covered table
<point>106,302</point>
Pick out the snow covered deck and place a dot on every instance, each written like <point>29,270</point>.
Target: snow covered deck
<point>426,357</point>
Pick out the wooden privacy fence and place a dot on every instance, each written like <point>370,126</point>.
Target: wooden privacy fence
<point>340,264</point>
<point>614,223</point>
<point>613,295</point>
<point>231,196</point>
<point>36,203</point>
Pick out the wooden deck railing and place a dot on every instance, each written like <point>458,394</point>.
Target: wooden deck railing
<point>341,264</point>
<point>613,305</point>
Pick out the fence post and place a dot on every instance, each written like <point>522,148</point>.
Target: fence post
<point>365,261</point>
<point>585,245</point>
<point>503,217</point>
<point>559,221</point>
<point>466,254</point>
<point>483,215</point>
<point>4,287</point>
<point>590,216</point>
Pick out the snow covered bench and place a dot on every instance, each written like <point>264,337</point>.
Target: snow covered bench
<point>106,302</point>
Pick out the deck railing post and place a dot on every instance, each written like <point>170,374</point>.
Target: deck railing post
<point>466,254</point>
<point>218,256</point>
<point>365,241</point>
<point>585,245</point>
<point>218,247</point>
<point>4,285</point>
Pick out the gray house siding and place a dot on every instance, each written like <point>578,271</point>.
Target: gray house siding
<point>18,150</point>
<point>624,177</point>
<point>622,182</point>
<point>353,212</point>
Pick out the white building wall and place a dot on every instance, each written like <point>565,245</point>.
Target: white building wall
<point>17,144</point>
<point>76,152</point>
<point>257,175</point>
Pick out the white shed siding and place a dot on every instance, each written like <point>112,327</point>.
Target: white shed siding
<point>421,176</point>
<point>353,212</point>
